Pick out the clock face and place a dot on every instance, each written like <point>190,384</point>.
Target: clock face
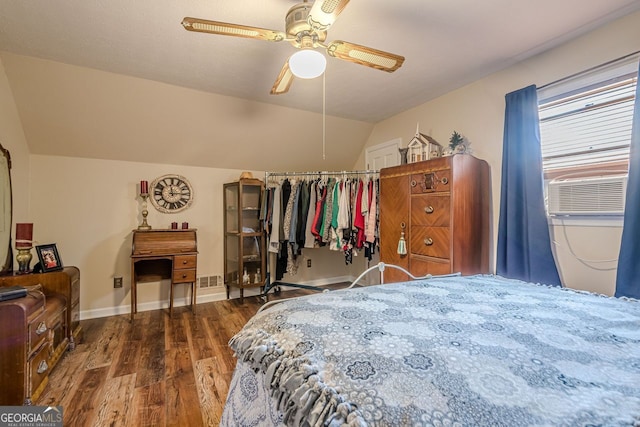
<point>171,193</point>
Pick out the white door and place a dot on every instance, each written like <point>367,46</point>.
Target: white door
<point>383,155</point>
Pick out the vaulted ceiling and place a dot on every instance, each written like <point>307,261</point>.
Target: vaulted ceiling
<point>447,44</point>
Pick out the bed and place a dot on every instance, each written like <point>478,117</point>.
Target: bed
<point>449,351</point>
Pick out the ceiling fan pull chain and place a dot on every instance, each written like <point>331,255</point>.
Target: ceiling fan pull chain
<point>324,123</point>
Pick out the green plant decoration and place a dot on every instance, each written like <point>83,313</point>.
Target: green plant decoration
<point>455,141</point>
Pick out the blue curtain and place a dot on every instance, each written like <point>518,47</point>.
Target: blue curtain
<point>628,276</point>
<point>524,246</point>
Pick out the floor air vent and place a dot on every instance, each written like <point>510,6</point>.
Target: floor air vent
<point>588,196</point>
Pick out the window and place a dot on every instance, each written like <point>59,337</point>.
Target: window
<point>586,120</point>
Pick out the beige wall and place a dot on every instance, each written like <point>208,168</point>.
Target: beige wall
<point>12,138</point>
<point>477,111</point>
<point>89,207</point>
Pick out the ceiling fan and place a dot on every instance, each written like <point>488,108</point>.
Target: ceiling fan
<point>306,29</point>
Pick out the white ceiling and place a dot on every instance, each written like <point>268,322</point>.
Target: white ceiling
<point>447,44</point>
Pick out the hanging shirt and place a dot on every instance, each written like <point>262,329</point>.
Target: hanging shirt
<point>295,205</point>
<point>343,208</point>
<point>325,231</point>
<point>288,209</point>
<point>274,238</point>
<point>370,228</point>
<point>334,239</point>
<point>359,217</point>
<point>309,238</point>
<point>316,227</point>
<point>303,210</point>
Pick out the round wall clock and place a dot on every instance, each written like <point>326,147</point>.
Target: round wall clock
<point>171,193</point>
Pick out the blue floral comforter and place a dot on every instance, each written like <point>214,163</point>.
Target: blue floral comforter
<point>465,351</point>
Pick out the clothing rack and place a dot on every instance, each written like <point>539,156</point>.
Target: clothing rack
<point>320,174</point>
<point>275,285</point>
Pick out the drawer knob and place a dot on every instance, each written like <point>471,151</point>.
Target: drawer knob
<point>42,367</point>
<point>428,209</point>
<point>41,329</point>
<point>444,180</point>
<point>184,262</point>
<point>428,241</point>
<point>184,276</point>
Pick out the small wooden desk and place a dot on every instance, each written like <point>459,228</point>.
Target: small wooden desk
<point>158,254</point>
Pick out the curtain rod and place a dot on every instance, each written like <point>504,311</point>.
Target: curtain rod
<point>555,82</point>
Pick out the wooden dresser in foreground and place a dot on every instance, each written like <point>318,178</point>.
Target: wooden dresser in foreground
<point>34,335</point>
<point>159,254</point>
<point>65,282</point>
<point>444,206</point>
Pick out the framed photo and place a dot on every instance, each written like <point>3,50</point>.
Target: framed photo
<point>49,258</point>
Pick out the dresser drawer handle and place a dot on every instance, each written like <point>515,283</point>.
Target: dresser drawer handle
<point>42,367</point>
<point>185,262</point>
<point>41,329</point>
<point>444,180</point>
<point>184,276</point>
<point>428,209</point>
<point>428,241</point>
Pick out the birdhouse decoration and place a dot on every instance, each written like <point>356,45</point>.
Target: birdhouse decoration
<point>423,147</point>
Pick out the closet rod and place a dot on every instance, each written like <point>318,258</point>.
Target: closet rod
<point>321,173</point>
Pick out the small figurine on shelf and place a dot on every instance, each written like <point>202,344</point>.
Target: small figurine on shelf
<point>245,277</point>
<point>258,277</point>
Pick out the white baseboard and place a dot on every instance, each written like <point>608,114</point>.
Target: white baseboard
<point>200,299</point>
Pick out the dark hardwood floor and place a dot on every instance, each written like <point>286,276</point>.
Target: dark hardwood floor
<point>155,371</point>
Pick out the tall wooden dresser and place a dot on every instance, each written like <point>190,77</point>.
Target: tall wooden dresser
<point>444,206</point>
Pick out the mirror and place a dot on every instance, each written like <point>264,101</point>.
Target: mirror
<point>6,255</point>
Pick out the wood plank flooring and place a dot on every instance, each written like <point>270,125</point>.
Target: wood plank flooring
<point>155,371</point>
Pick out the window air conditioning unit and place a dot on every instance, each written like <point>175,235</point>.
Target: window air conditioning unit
<point>588,196</point>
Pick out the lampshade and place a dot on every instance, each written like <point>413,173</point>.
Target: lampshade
<point>307,64</point>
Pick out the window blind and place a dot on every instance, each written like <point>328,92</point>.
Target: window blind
<point>587,120</point>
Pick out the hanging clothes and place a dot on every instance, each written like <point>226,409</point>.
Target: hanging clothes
<point>339,212</point>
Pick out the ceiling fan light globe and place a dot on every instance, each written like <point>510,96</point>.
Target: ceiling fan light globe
<point>307,64</point>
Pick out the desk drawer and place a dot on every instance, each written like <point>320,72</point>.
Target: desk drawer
<point>184,276</point>
<point>184,262</point>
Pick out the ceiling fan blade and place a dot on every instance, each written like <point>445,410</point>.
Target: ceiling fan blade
<point>363,55</point>
<point>226,29</point>
<point>284,80</point>
<point>324,13</point>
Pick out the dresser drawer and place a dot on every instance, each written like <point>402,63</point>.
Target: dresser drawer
<point>431,241</point>
<point>38,371</point>
<point>430,210</point>
<point>184,276</point>
<point>431,181</point>
<point>421,266</point>
<point>38,331</point>
<point>184,261</point>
